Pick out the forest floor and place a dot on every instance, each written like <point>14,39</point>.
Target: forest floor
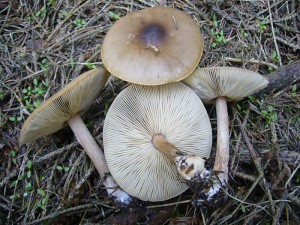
<point>45,44</point>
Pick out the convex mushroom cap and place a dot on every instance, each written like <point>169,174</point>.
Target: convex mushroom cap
<point>153,46</point>
<point>54,113</point>
<point>229,82</point>
<point>140,119</point>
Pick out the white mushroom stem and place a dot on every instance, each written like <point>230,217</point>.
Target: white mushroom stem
<point>222,154</point>
<point>93,150</point>
<point>188,166</point>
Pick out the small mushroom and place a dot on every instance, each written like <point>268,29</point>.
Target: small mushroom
<point>219,85</point>
<point>147,134</point>
<point>64,108</point>
<point>153,46</point>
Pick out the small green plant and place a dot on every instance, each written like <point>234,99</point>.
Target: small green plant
<point>241,109</point>
<point>255,100</point>
<point>297,178</point>
<point>29,167</point>
<point>262,25</point>
<point>79,22</point>
<point>14,196</point>
<point>26,178</point>
<point>15,182</point>
<point>63,14</point>
<point>63,168</point>
<point>269,115</point>
<point>2,95</point>
<point>42,203</point>
<point>42,12</point>
<point>294,91</point>
<point>267,111</point>
<point>90,65</point>
<point>107,105</point>
<point>15,118</point>
<point>243,208</point>
<point>113,15</point>
<point>44,64</point>
<point>275,59</point>
<point>244,33</point>
<point>32,94</point>
<point>51,2</point>
<point>13,154</point>
<point>218,35</point>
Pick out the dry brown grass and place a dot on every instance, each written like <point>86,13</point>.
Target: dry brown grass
<point>40,40</point>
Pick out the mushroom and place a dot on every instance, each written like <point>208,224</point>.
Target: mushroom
<point>147,134</point>
<point>153,46</point>
<point>219,85</point>
<point>64,108</point>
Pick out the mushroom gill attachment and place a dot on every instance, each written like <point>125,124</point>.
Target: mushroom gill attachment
<point>146,131</point>
<point>153,46</point>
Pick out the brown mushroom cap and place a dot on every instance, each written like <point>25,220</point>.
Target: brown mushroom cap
<point>153,46</point>
<point>229,82</point>
<point>137,115</point>
<point>74,98</point>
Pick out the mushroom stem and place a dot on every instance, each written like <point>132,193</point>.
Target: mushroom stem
<point>222,154</point>
<point>168,149</point>
<point>93,150</point>
<point>188,166</point>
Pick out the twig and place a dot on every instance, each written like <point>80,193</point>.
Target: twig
<point>243,200</point>
<point>72,170</point>
<point>82,181</point>
<point>66,211</point>
<point>293,173</point>
<point>17,97</point>
<point>49,183</point>
<point>55,153</point>
<point>251,61</point>
<point>231,19</point>
<point>168,204</point>
<point>295,46</point>
<point>244,176</point>
<point>6,179</point>
<point>257,162</point>
<point>70,14</point>
<point>274,4</point>
<point>295,22</point>
<point>285,172</point>
<point>273,33</point>
<point>280,208</point>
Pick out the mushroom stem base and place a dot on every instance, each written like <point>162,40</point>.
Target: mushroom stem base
<point>93,150</point>
<point>188,166</point>
<point>222,154</point>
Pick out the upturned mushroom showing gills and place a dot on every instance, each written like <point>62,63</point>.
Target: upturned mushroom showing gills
<point>153,46</point>
<point>64,108</point>
<point>153,132</point>
<point>219,85</point>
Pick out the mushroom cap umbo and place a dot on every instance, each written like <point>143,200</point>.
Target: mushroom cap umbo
<point>153,46</point>
<point>229,82</point>
<point>136,115</point>
<point>74,98</point>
